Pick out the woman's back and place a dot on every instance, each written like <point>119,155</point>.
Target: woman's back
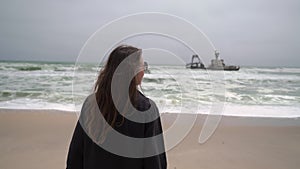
<point>85,154</point>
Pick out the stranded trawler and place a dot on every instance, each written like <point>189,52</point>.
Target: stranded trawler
<point>216,64</point>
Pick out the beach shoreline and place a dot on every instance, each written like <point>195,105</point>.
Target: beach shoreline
<point>40,139</point>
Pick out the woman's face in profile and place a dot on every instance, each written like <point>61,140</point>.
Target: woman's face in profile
<point>140,74</point>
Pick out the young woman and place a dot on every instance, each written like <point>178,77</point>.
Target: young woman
<point>87,153</point>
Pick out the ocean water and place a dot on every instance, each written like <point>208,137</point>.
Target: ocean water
<point>251,91</point>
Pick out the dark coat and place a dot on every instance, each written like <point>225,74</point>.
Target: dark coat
<point>85,154</point>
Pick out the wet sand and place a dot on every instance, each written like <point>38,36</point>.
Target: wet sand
<point>34,139</point>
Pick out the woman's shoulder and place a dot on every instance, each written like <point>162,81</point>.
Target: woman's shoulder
<point>144,103</point>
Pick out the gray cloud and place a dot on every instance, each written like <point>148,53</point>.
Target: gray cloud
<point>249,32</point>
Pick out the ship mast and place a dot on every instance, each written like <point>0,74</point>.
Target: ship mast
<point>217,53</point>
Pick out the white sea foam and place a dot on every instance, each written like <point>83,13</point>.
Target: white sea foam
<point>252,91</point>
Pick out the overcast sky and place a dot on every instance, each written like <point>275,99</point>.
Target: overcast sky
<point>247,32</point>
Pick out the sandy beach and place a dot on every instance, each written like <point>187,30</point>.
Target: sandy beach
<point>32,139</point>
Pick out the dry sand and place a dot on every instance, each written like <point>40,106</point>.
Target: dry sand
<point>35,139</point>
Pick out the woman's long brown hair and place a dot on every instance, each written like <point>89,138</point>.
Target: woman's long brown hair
<point>104,81</point>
